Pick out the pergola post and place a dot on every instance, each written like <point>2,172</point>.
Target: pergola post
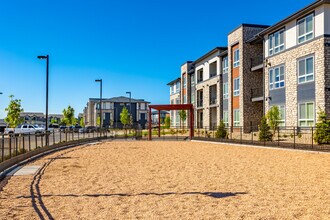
<point>149,123</point>
<point>158,123</point>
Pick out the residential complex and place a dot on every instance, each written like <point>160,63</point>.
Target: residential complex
<point>111,109</point>
<point>285,65</point>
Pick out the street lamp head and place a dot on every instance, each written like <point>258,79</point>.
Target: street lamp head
<point>43,57</point>
<point>98,80</point>
<point>1,93</point>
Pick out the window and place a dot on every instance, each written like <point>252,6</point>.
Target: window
<point>184,82</point>
<point>192,79</point>
<point>225,118</point>
<point>184,99</point>
<point>281,109</point>
<point>178,84</point>
<point>236,87</point>
<point>236,58</point>
<point>236,117</point>
<point>225,65</point>
<point>276,78</point>
<point>213,69</point>
<point>225,90</point>
<point>276,42</point>
<point>305,28</point>
<point>199,75</point>
<point>306,70</point>
<point>306,114</point>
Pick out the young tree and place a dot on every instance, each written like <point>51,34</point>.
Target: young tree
<point>98,120</point>
<point>14,110</point>
<point>221,131</point>
<point>183,116</point>
<point>82,122</point>
<point>264,131</point>
<point>124,117</point>
<point>274,118</point>
<point>68,116</point>
<point>53,121</point>
<point>322,133</point>
<point>167,122</point>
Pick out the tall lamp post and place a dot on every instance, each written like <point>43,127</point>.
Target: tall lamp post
<point>130,105</point>
<point>100,81</point>
<point>47,74</point>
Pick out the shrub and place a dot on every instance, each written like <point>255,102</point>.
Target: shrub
<point>322,133</point>
<point>221,131</point>
<point>264,131</point>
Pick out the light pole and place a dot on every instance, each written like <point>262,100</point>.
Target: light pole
<point>47,74</point>
<point>130,106</point>
<point>100,81</point>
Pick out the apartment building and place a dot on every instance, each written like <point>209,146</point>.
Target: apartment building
<point>175,98</point>
<point>285,65</point>
<point>207,88</point>
<point>111,109</point>
<point>187,85</point>
<point>297,65</point>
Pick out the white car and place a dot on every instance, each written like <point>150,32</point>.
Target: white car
<point>25,129</point>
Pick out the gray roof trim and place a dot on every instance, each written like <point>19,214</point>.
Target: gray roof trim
<point>224,53</point>
<point>174,81</point>
<point>294,16</point>
<point>118,99</point>
<point>249,25</point>
<point>220,49</point>
<point>186,62</point>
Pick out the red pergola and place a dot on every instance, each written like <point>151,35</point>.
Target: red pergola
<point>189,107</point>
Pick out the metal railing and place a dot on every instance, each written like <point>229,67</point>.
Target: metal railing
<point>257,92</point>
<point>213,100</point>
<point>257,61</point>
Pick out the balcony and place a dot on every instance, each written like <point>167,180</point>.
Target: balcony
<point>199,80</point>
<point>257,94</point>
<point>257,63</point>
<point>213,100</point>
<point>199,103</point>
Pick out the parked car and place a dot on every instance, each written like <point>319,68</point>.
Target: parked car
<point>25,129</point>
<point>63,128</point>
<point>90,129</point>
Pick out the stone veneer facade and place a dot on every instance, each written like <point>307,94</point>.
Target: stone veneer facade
<point>321,77</point>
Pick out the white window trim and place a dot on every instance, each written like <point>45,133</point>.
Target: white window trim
<point>236,91</point>
<point>306,119</point>
<point>305,34</point>
<point>274,82</point>
<point>225,65</point>
<point>226,122</point>
<point>236,62</point>
<point>236,123</point>
<point>225,94</point>
<point>272,50</point>
<point>306,75</point>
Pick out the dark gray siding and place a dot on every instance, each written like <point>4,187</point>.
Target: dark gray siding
<point>306,92</point>
<point>277,96</point>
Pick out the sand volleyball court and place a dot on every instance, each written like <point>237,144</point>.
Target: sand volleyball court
<point>171,180</point>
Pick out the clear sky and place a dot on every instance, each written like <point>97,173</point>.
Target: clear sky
<point>135,46</point>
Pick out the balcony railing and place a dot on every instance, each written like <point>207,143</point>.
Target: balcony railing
<point>199,80</point>
<point>257,62</point>
<point>257,94</point>
<point>200,103</point>
<point>213,74</point>
<point>213,100</point>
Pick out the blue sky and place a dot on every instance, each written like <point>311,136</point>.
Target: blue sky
<point>135,46</point>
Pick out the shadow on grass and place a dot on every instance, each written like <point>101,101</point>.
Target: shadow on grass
<point>216,195</point>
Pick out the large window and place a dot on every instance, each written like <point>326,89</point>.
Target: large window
<point>236,117</point>
<point>178,84</point>
<point>184,82</point>
<point>199,75</point>
<point>225,65</point>
<point>281,109</point>
<point>172,89</point>
<point>306,114</point>
<point>213,69</point>
<point>236,58</point>
<point>305,28</point>
<point>306,69</point>
<point>225,118</point>
<point>192,80</point>
<point>184,99</point>
<point>236,87</point>
<point>192,97</point>
<point>225,90</point>
<point>276,78</point>
<point>276,42</point>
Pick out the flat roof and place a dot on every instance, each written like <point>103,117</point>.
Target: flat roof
<point>209,53</point>
<point>174,81</point>
<point>249,25</point>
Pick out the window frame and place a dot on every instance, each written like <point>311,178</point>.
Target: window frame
<point>272,42</point>
<point>225,65</point>
<point>236,91</point>
<point>235,122</point>
<point>226,122</point>
<point>236,58</point>
<point>272,79</point>
<point>304,36</point>
<point>305,66</point>
<point>224,92</point>
<point>306,120</point>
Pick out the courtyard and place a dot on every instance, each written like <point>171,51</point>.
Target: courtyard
<point>169,179</point>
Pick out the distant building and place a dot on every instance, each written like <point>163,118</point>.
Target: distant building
<point>111,109</point>
<point>154,116</point>
<point>39,117</point>
<point>3,125</point>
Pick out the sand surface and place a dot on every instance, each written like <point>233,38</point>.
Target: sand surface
<point>171,180</point>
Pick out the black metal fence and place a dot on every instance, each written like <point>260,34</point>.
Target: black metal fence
<point>285,137</point>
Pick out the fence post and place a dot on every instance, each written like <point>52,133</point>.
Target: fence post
<point>23,143</point>
<point>278,136</point>
<point>73,135</point>
<point>60,136</point>
<point>66,136</point>
<point>213,131</point>
<point>36,141</point>
<point>10,146</point>
<point>16,144</point>
<point>3,148</point>
<point>312,137</point>
<point>294,137</point>
<point>29,141</point>
<point>241,134</point>
<point>53,137</point>
<point>42,140</point>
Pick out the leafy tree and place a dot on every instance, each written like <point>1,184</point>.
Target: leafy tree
<point>167,122</point>
<point>82,122</point>
<point>53,121</point>
<point>221,131</point>
<point>183,116</point>
<point>124,117</point>
<point>98,120</point>
<point>274,118</point>
<point>68,116</point>
<point>264,131</point>
<point>322,133</point>
<point>14,110</point>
